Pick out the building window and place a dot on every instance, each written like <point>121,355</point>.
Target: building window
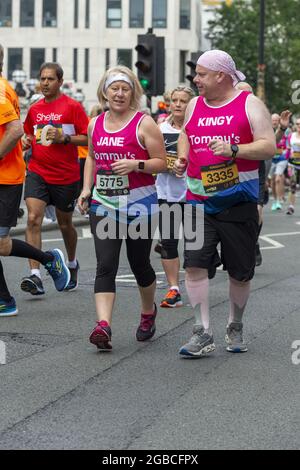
<point>182,65</point>
<point>27,13</point>
<point>114,14</point>
<point>37,58</point>
<point>54,55</point>
<point>50,13</point>
<point>14,60</point>
<point>107,59</point>
<point>125,57</point>
<point>87,13</point>
<point>75,13</point>
<point>185,14</point>
<point>86,65</point>
<point>159,13</point>
<point>75,65</point>
<point>137,11</point>
<point>6,13</point>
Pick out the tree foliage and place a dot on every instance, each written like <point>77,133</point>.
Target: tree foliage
<point>235,29</point>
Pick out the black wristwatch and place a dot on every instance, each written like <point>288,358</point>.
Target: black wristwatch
<point>234,150</point>
<point>283,129</point>
<point>67,139</point>
<point>141,165</point>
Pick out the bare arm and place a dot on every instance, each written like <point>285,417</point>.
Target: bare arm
<point>263,146</point>
<point>183,146</point>
<point>89,169</point>
<point>13,133</point>
<point>58,138</point>
<point>283,125</point>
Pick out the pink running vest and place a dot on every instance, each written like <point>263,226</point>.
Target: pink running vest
<point>110,147</point>
<point>229,122</point>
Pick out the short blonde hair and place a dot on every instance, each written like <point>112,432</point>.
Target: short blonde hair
<point>137,90</point>
<point>186,89</point>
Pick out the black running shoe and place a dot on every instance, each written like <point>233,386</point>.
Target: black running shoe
<point>146,327</point>
<point>33,285</point>
<point>73,284</point>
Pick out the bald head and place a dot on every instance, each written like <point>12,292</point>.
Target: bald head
<point>244,86</point>
<point>1,57</point>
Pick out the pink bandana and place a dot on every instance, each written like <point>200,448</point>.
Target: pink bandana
<point>220,61</point>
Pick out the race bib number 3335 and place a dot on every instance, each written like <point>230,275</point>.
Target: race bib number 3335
<point>219,177</point>
<point>109,184</point>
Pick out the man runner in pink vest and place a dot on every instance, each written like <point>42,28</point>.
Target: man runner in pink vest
<point>226,133</point>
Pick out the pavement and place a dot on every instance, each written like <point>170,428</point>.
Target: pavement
<point>78,221</point>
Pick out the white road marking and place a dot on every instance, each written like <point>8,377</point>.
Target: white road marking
<point>274,244</point>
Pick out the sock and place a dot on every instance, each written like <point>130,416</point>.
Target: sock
<point>198,292</point>
<point>103,323</point>
<point>36,272</point>
<point>149,312</point>
<point>24,250</point>
<point>4,292</point>
<point>238,296</point>
<point>174,288</point>
<point>72,264</point>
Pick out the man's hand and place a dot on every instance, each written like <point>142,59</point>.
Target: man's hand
<point>219,147</point>
<point>55,135</point>
<point>26,142</point>
<point>285,118</point>
<point>180,166</point>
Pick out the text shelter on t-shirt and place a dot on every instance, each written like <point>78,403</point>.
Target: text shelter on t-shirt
<point>57,163</point>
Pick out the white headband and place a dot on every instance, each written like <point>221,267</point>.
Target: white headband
<point>120,77</point>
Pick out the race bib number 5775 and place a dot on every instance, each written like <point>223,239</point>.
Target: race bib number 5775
<point>109,184</point>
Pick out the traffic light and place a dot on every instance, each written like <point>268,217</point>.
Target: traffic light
<point>151,63</point>
<point>192,63</point>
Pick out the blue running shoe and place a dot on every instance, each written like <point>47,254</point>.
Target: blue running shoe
<point>58,269</point>
<point>8,309</point>
<point>73,284</point>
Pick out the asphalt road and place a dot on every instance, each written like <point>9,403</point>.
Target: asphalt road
<point>58,392</point>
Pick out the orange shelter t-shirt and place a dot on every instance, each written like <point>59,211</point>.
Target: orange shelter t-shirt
<point>12,166</point>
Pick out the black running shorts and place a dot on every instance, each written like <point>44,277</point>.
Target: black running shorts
<point>10,198</point>
<point>61,196</point>
<point>236,230</point>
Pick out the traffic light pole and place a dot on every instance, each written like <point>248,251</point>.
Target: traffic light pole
<point>151,63</point>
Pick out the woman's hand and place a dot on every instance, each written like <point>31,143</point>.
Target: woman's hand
<point>82,201</point>
<point>124,167</point>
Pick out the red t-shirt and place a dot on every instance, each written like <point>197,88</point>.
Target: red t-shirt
<point>58,163</point>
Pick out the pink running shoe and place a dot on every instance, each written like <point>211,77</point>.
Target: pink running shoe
<point>101,336</point>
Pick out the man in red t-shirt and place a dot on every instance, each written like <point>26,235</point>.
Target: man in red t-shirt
<point>54,127</point>
<point>12,173</point>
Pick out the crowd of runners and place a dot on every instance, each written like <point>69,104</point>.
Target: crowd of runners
<point>202,171</point>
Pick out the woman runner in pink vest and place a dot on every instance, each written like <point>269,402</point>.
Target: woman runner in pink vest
<point>125,149</point>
